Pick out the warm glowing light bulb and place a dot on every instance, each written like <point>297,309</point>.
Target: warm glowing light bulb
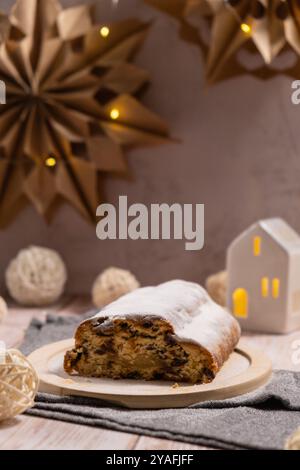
<point>246,28</point>
<point>115,114</point>
<point>50,162</point>
<point>104,31</point>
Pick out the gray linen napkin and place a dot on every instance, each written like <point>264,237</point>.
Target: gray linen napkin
<point>258,420</point>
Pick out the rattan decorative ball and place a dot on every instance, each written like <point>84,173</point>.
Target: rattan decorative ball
<point>18,384</point>
<point>216,286</point>
<point>36,277</point>
<point>3,309</point>
<point>112,284</point>
<point>293,442</point>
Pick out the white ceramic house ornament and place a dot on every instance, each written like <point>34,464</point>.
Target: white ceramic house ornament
<point>263,266</point>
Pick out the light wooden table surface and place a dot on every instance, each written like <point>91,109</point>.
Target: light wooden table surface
<point>26,432</point>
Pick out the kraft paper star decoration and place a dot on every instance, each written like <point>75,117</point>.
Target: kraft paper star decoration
<point>71,107</point>
<point>266,27</point>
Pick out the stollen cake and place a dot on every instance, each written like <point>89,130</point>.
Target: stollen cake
<point>170,332</point>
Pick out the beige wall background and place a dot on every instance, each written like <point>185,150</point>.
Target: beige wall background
<point>239,155</point>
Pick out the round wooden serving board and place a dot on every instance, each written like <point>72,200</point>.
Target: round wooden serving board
<point>244,371</point>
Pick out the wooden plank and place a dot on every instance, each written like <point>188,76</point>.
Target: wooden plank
<point>280,348</point>
<point>48,434</point>
<point>151,443</point>
<point>18,319</point>
<point>76,306</point>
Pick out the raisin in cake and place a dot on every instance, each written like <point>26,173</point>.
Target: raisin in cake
<point>172,332</point>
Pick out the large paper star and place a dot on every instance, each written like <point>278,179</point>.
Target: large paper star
<point>263,26</point>
<point>71,106</point>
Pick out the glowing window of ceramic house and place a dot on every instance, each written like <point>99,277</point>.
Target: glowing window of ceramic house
<point>256,246</point>
<point>265,287</point>
<point>275,288</point>
<point>240,303</point>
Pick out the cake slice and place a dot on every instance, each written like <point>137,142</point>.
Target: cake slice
<point>170,332</point>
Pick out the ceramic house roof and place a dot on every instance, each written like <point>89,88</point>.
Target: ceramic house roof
<point>281,232</point>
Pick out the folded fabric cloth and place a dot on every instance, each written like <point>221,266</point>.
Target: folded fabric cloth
<point>262,419</point>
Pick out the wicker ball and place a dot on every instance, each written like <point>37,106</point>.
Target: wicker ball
<point>216,286</point>
<point>36,277</point>
<point>3,309</point>
<point>18,384</point>
<point>112,284</point>
<point>293,442</point>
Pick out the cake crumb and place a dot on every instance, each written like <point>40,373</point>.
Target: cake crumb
<point>176,385</point>
<point>69,381</point>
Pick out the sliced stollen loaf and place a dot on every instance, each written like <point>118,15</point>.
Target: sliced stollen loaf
<point>170,332</point>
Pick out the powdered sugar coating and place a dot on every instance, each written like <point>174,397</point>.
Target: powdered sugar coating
<point>188,308</point>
